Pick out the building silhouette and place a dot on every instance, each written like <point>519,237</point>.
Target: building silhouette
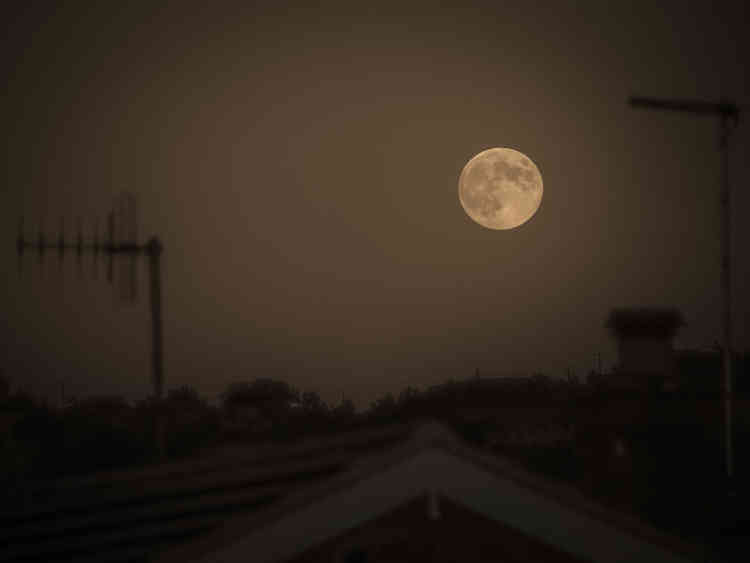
<point>646,356</point>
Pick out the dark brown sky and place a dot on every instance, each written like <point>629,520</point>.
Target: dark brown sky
<point>301,167</point>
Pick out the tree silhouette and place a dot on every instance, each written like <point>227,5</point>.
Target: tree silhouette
<point>345,410</point>
<point>407,396</point>
<point>262,393</point>
<point>260,406</point>
<point>4,386</point>
<point>191,424</point>
<point>184,394</point>
<point>383,406</point>
<point>312,403</point>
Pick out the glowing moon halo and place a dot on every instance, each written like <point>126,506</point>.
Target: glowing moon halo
<point>500,188</point>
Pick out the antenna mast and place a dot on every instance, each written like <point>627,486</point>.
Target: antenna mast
<point>121,242</point>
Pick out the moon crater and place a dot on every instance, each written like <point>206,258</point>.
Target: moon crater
<point>500,188</point>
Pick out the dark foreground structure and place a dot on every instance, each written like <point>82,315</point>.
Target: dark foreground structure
<point>627,467</point>
<point>405,492</point>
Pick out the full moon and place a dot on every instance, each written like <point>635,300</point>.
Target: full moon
<point>500,188</point>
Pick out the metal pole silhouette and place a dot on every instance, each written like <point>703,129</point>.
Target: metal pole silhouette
<point>729,115</point>
<point>152,250</point>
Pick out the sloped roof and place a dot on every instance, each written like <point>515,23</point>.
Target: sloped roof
<point>128,515</point>
<point>186,511</point>
<point>453,533</point>
<point>435,460</point>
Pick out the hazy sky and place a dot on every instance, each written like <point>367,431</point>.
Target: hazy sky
<point>301,169</point>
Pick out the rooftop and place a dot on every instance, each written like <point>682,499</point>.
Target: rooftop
<point>645,322</point>
<point>174,511</point>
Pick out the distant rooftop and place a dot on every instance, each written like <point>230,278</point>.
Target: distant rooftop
<point>645,322</point>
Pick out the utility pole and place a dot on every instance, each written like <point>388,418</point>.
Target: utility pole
<point>729,115</point>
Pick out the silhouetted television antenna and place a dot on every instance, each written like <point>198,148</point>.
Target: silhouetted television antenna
<point>121,243</point>
<point>729,117</point>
